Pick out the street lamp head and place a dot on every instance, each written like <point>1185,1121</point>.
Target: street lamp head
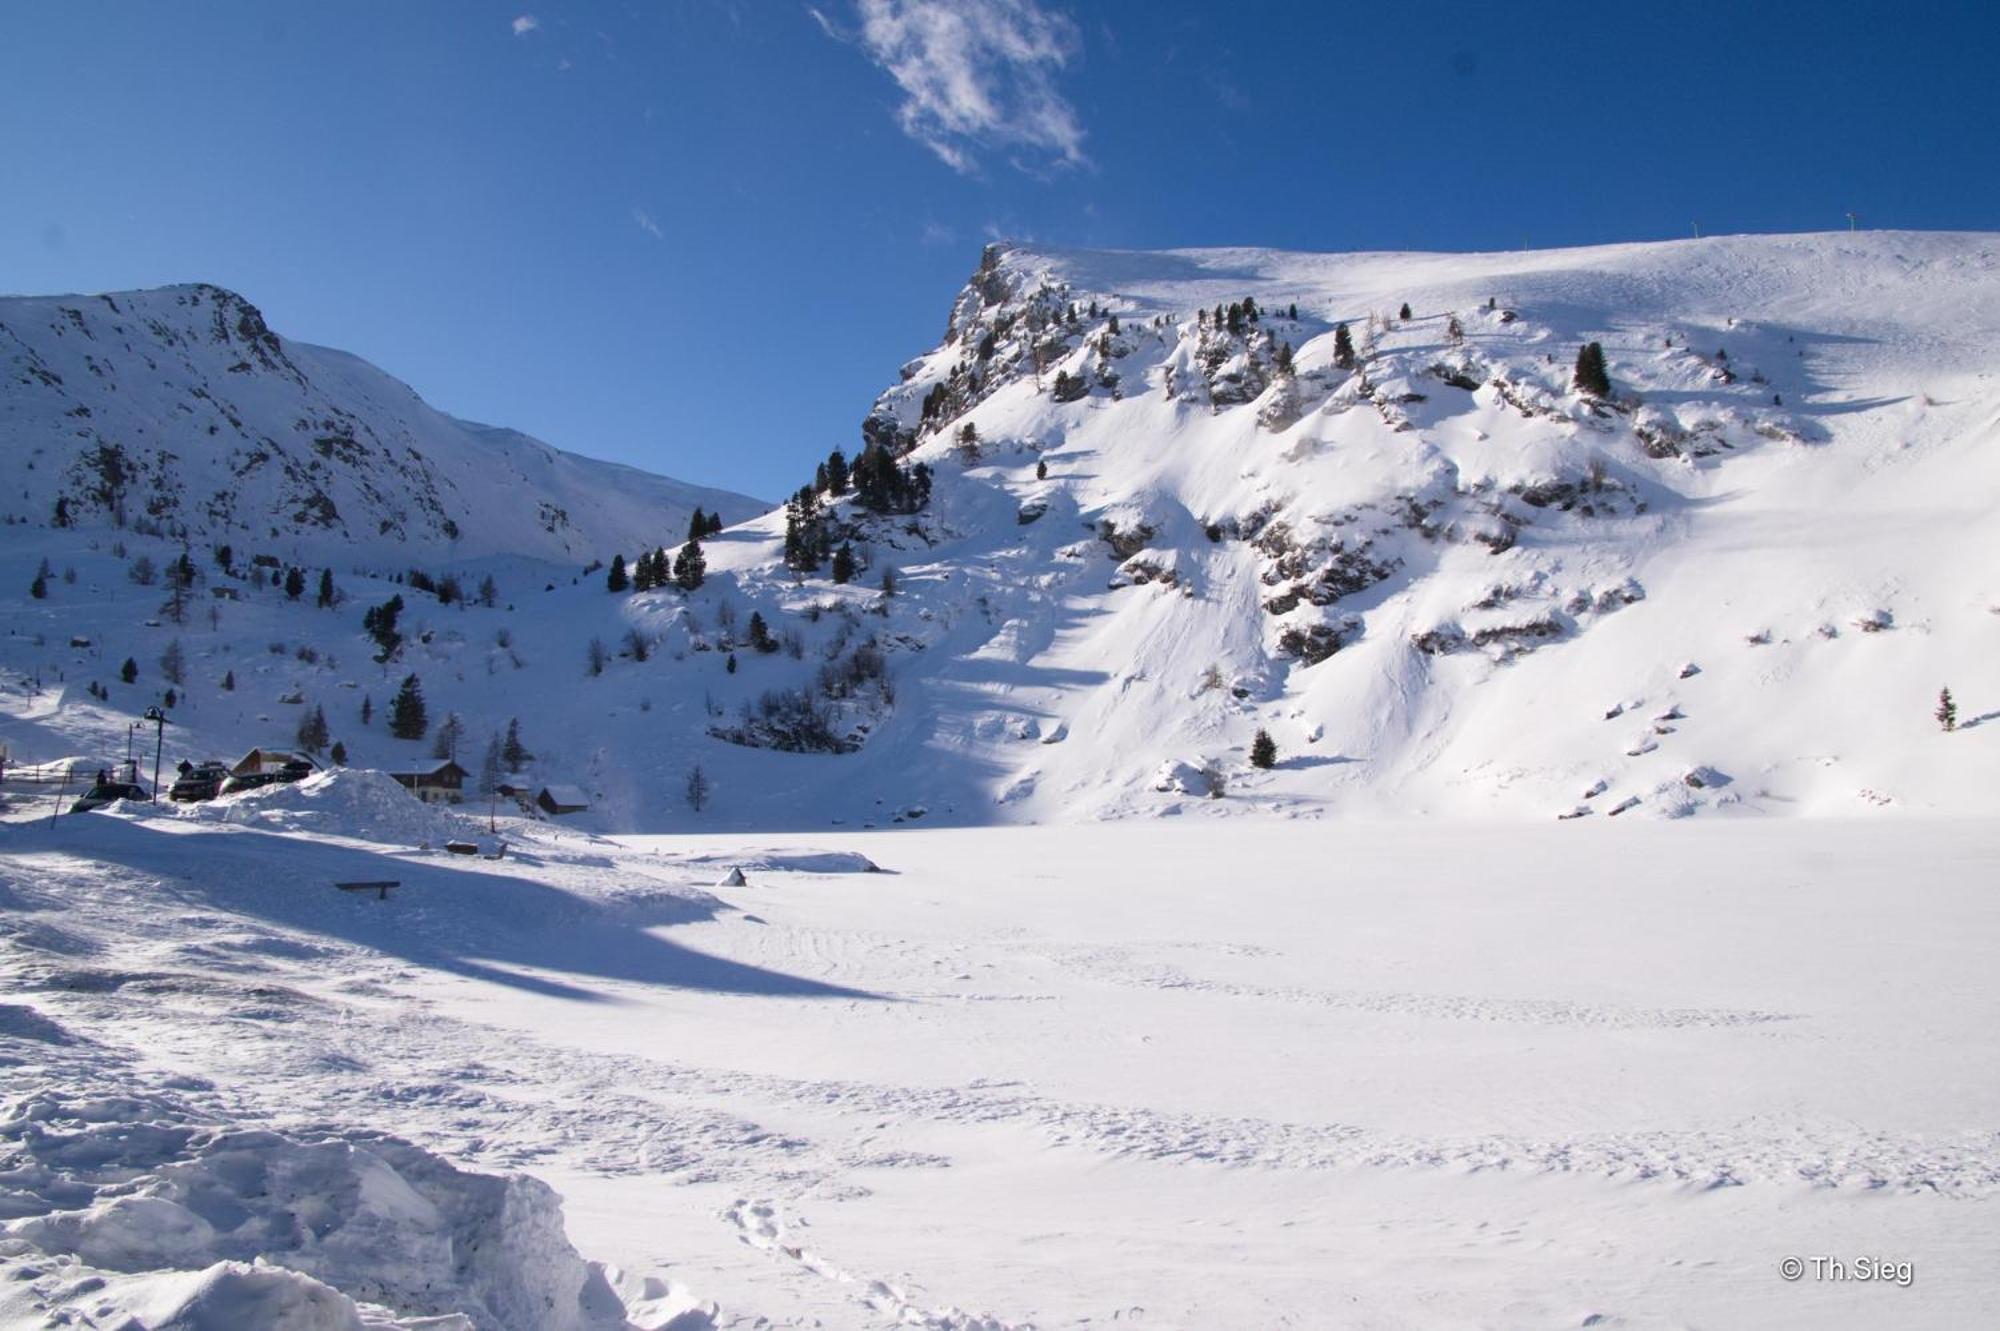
<point>155,714</point>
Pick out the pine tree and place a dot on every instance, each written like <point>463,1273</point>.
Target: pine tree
<point>39,588</point>
<point>513,752</point>
<point>714,524</point>
<point>843,563</point>
<point>1041,469</point>
<point>616,580</point>
<point>1343,347</point>
<point>1947,710</point>
<point>1591,376</point>
<point>489,591</point>
<point>1282,360</point>
<point>312,733</point>
<point>729,665</point>
<point>697,525</point>
<point>327,594</point>
<point>888,583</point>
<point>445,743</point>
<point>295,583</point>
<point>1404,313</point>
<point>173,663</point>
<point>229,681</point>
<point>129,671</point>
<point>338,753</point>
<point>697,788</point>
<point>489,767</point>
<point>1263,750</point>
<point>407,717</point>
<point>690,566</point>
<point>760,634</point>
<point>379,623</point>
<point>367,709</point>
<point>836,473</point>
<point>62,511</point>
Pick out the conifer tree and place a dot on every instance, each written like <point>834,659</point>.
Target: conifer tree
<point>407,716</point>
<point>1947,710</point>
<point>1404,313</point>
<point>327,594</point>
<point>697,788</point>
<point>129,671</point>
<point>338,753</point>
<point>617,580</point>
<point>39,588</point>
<point>836,473</point>
<point>367,709</point>
<point>760,634</point>
<point>1263,750</point>
<point>312,733</point>
<point>697,525</point>
<point>173,663</point>
<point>512,751</point>
<point>1591,376</point>
<point>1343,347</point>
<point>1041,469</point>
<point>445,743</point>
<point>843,563</point>
<point>690,566</point>
<point>229,681</point>
<point>295,583</point>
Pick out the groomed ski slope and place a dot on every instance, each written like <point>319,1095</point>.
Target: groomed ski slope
<point>1258,1074</point>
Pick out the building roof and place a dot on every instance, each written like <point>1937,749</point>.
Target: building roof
<point>566,795</point>
<point>442,767</point>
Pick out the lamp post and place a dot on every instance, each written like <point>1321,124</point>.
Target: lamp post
<point>159,720</point>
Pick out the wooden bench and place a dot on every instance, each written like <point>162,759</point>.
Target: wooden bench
<point>379,888</point>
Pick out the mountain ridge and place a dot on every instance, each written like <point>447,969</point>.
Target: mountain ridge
<point>177,407</point>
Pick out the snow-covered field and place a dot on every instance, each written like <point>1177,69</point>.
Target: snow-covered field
<point>1167,1075</point>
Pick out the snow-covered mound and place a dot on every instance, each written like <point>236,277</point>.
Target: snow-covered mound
<point>365,805</point>
<point>180,409</point>
<point>131,1206</point>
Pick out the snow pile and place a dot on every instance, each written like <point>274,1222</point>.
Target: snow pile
<point>365,805</point>
<point>126,1206</point>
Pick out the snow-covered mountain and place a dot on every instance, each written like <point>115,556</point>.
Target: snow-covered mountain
<point>1164,513</point>
<point>179,410</point>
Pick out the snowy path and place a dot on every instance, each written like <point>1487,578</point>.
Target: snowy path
<point>1066,1077</point>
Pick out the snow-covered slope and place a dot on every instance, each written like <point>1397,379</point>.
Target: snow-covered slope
<point>180,410</point>
<point>1444,580</point>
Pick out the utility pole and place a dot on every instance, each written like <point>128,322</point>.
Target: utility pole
<point>1850,223</point>
<point>159,720</point>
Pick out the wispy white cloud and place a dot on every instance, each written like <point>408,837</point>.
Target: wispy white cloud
<point>526,24</point>
<point>975,74</point>
<point>645,223</point>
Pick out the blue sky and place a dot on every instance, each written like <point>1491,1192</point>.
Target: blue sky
<point>700,236</point>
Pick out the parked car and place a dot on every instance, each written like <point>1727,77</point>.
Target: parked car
<point>204,781</point>
<point>108,792</point>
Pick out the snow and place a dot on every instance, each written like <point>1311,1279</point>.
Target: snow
<point>1473,1073</point>
<point>1493,566</point>
<point>178,405</point>
<point>1038,1006</point>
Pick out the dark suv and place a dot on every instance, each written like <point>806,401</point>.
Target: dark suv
<point>201,782</point>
